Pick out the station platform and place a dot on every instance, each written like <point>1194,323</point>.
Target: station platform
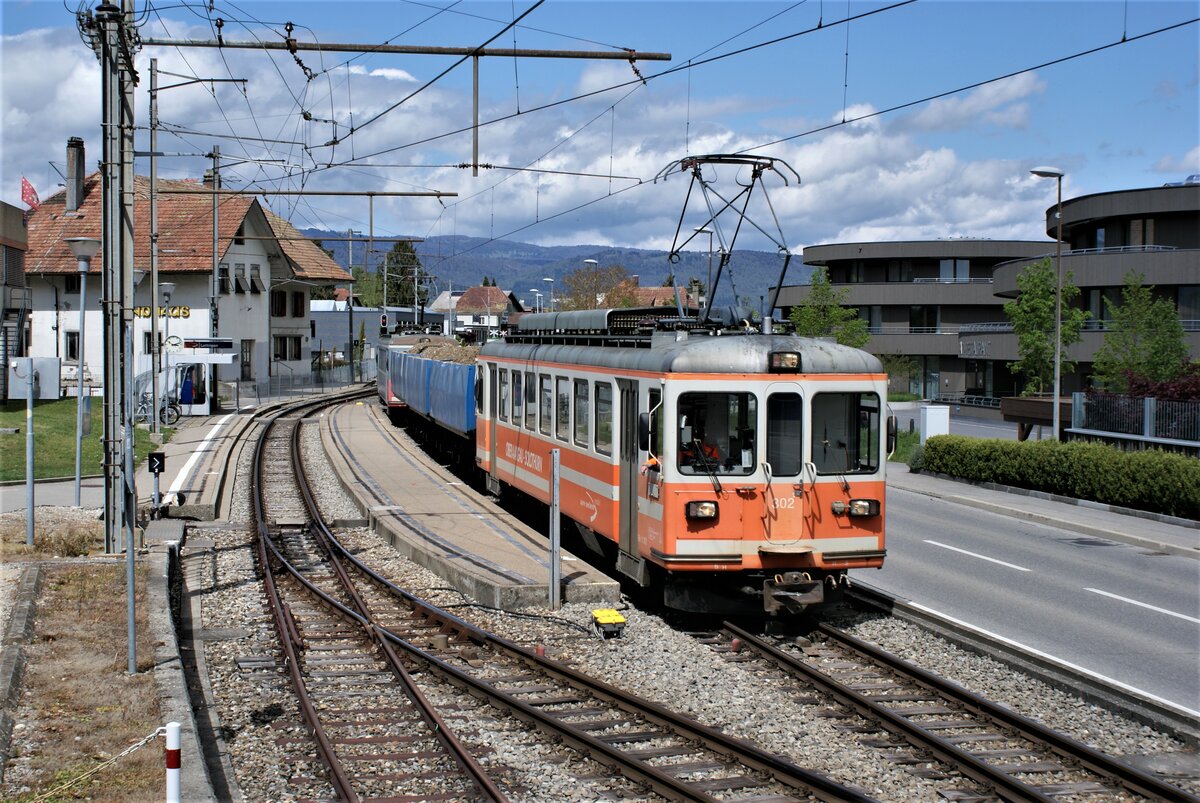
<point>430,517</point>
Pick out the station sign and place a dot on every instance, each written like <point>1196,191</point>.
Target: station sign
<point>209,343</point>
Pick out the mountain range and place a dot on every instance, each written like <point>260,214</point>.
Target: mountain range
<point>461,262</point>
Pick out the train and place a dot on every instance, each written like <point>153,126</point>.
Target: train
<point>734,467</point>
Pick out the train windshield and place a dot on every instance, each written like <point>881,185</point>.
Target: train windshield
<point>845,433</point>
<point>716,433</point>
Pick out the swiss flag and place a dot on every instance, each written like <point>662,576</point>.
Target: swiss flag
<point>29,194</point>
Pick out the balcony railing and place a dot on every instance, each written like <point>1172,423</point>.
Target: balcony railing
<point>935,280</point>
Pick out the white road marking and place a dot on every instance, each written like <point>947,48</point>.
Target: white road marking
<point>1144,605</point>
<point>184,472</point>
<point>1055,659</point>
<point>976,555</point>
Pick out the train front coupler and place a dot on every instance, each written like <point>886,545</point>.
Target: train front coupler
<point>792,592</point>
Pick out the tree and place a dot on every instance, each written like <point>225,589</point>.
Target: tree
<point>1145,339</point>
<point>595,287</point>
<point>1032,316</point>
<point>367,287</point>
<point>403,275</point>
<point>899,368</point>
<point>822,314</point>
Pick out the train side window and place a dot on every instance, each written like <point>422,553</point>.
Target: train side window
<point>785,442</point>
<point>656,430</point>
<point>845,433</point>
<point>562,408</point>
<point>547,402</point>
<point>503,410</point>
<point>530,401</point>
<point>518,399</point>
<point>604,417</point>
<point>582,410</point>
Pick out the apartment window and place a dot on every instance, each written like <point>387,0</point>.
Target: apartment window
<point>239,278</point>
<point>1189,307</point>
<point>286,347</point>
<point>223,277</point>
<point>922,319</point>
<point>240,237</point>
<point>899,270</point>
<point>298,305</point>
<point>855,272</point>
<point>954,270</point>
<point>604,417</point>
<point>278,304</point>
<point>72,284</point>
<point>256,283</point>
<point>873,315</point>
<point>1100,237</point>
<point>71,346</point>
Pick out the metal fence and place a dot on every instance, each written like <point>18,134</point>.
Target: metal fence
<point>1154,422</point>
<point>287,384</point>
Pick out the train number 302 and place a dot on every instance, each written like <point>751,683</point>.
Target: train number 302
<point>785,502</point>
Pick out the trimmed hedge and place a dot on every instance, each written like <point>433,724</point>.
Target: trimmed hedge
<point>1161,482</point>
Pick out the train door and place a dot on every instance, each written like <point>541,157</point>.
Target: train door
<point>786,498</point>
<point>492,415</point>
<point>628,561</point>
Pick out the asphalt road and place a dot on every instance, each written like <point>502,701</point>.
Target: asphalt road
<point>1118,611</point>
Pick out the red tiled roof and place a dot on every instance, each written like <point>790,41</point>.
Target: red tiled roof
<point>483,299</point>
<point>184,231</point>
<point>308,260</point>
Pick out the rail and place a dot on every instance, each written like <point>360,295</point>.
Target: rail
<point>917,685</point>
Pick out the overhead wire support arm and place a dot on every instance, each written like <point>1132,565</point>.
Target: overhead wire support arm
<point>417,50</point>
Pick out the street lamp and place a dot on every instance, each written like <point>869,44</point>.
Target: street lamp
<point>551,281</point>
<point>708,231</point>
<point>84,248</point>
<point>1055,173</point>
<point>167,289</point>
<point>537,301</point>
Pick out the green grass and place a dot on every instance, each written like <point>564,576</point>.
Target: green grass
<point>905,443</point>
<point>54,440</point>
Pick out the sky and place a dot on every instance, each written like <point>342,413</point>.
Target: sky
<point>903,121</point>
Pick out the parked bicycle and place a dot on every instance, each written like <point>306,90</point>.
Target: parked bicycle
<point>168,411</point>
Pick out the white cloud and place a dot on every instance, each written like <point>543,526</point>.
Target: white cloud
<point>997,103</point>
<point>1188,165</point>
<point>390,73</point>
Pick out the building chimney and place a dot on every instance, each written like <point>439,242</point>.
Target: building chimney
<point>75,167</point>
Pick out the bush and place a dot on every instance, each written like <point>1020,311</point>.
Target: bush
<point>1161,482</point>
<point>916,458</point>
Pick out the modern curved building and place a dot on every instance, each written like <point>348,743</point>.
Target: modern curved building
<point>941,302</point>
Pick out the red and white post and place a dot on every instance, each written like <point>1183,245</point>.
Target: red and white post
<point>171,754</point>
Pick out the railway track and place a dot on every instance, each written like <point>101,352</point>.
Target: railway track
<point>918,718</point>
<point>352,643</point>
<point>373,729</point>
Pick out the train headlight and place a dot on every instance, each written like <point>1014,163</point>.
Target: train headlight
<point>856,507</point>
<point>785,361</point>
<point>701,510</point>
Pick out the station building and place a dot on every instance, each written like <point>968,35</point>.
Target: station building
<point>258,296</point>
<point>941,302</point>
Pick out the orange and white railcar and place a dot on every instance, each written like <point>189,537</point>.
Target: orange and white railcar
<point>735,469</point>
